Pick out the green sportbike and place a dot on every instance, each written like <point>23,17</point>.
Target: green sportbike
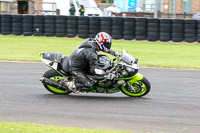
<point>120,74</point>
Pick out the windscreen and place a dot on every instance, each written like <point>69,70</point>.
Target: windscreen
<point>127,58</point>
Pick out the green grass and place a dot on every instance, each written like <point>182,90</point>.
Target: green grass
<point>37,128</point>
<point>157,54</point>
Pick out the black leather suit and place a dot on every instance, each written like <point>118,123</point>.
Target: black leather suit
<point>83,57</point>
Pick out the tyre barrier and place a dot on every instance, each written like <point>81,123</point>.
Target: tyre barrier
<point>117,27</point>
<point>71,30</point>
<point>6,24</point>
<point>0,24</point>
<point>60,28</point>
<point>153,26</point>
<point>198,31</point>
<point>83,27</point>
<point>17,27</point>
<point>190,30</point>
<point>49,25</point>
<point>38,26</point>
<point>141,29</point>
<point>106,25</point>
<point>27,25</point>
<point>94,26</point>
<point>127,28</point>
<point>177,30</point>
<point>165,30</point>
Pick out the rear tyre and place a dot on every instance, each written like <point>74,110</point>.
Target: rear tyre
<point>53,75</point>
<point>142,88</point>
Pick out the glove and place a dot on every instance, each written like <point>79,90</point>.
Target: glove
<point>117,54</point>
<point>99,71</point>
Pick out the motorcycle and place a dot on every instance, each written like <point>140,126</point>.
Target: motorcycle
<point>120,74</point>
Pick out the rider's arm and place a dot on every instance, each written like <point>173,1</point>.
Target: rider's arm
<point>93,61</point>
<point>112,52</point>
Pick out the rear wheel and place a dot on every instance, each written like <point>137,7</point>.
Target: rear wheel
<point>53,75</point>
<point>141,88</point>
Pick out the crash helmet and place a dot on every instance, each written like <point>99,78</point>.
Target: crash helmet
<point>104,41</point>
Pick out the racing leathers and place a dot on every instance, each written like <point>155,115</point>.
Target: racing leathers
<point>85,56</point>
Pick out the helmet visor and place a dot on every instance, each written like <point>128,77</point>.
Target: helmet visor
<point>107,44</point>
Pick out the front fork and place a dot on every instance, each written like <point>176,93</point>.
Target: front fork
<point>136,78</point>
<point>131,80</point>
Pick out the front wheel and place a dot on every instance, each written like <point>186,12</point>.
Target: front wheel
<point>53,75</point>
<point>140,88</point>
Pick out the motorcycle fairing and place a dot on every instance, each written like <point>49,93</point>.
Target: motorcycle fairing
<point>53,65</point>
<point>52,56</point>
<point>132,79</point>
<point>53,60</point>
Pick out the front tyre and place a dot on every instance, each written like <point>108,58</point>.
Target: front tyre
<point>53,75</point>
<point>141,88</point>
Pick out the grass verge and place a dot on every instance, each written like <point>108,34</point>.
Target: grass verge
<point>170,55</point>
<point>37,128</point>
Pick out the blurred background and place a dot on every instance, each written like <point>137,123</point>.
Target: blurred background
<point>131,8</point>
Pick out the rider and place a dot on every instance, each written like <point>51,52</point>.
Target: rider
<point>86,55</point>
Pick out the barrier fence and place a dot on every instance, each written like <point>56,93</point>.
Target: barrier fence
<point>127,28</point>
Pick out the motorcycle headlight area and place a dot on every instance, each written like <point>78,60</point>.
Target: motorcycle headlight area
<point>131,71</point>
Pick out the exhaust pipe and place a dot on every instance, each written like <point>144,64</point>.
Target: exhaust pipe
<point>54,84</point>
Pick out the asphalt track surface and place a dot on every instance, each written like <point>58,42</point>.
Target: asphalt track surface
<point>172,106</point>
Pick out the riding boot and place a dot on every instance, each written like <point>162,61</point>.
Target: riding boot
<point>71,86</point>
